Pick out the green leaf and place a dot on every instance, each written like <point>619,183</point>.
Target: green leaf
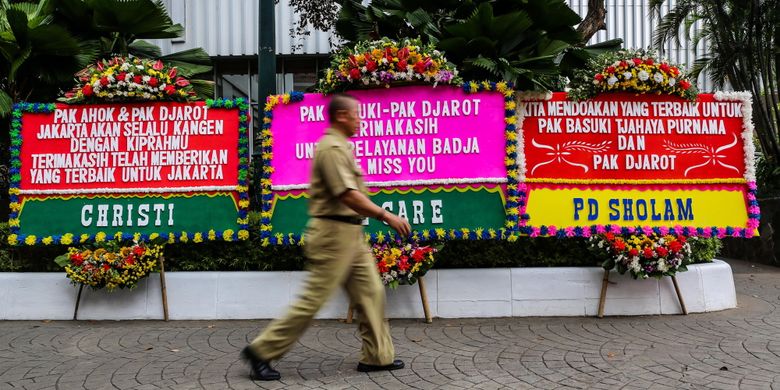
<point>6,104</point>
<point>194,56</point>
<point>204,88</point>
<point>608,264</point>
<point>144,49</point>
<point>62,260</point>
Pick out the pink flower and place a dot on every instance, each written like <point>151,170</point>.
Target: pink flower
<point>631,229</point>
<point>737,231</point>
<point>172,73</point>
<point>752,185</point>
<point>678,229</point>
<point>616,229</point>
<point>721,232</point>
<point>182,82</point>
<point>707,233</point>
<point>552,230</point>
<point>663,230</point>
<point>692,231</point>
<point>749,233</point>
<point>586,231</point>
<point>600,229</point>
<point>752,223</point>
<point>535,232</point>
<point>570,231</point>
<point>158,65</point>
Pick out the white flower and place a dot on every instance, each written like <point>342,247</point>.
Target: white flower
<point>124,66</point>
<point>384,60</point>
<point>596,82</point>
<point>364,69</point>
<point>658,77</point>
<point>146,79</point>
<point>643,75</point>
<point>612,80</point>
<point>627,75</point>
<point>672,81</point>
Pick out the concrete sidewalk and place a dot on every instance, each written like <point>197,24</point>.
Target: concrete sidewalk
<point>737,348</point>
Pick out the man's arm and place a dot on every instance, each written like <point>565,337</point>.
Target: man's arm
<point>357,201</point>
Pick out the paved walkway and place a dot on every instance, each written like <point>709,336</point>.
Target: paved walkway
<point>738,348</point>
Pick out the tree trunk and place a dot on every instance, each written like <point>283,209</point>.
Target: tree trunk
<point>594,21</point>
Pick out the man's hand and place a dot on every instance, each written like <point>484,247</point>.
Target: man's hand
<point>399,224</point>
<point>359,202</point>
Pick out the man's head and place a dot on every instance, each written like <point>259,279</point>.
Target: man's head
<point>344,115</point>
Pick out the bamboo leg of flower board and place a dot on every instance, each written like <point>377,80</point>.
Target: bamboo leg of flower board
<point>78,299</point>
<point>604,284</point>
<point>679,295</point>
<point>349,314</point>
<point>424,297</point>
<point>163,289</point>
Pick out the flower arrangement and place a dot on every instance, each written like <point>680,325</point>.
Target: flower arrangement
<point>385,62</point>
<point>110,264</point>
<point>399,263</point>
<point>636,71</point>
<point>643,255</point>
<point>122,79</point>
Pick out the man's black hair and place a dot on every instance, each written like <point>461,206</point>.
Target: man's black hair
<point>338,102</point>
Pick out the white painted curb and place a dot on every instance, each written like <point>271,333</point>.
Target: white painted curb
<point>452,293</point>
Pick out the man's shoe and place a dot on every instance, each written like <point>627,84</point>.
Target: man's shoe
<point>260,370</point>
<point>397,364</point>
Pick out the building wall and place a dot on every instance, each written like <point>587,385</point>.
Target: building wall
<point>229,28</point>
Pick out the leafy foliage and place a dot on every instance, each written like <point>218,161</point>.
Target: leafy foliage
<point>250,256</point>
<point>532,43</point>
<point>744,52</point>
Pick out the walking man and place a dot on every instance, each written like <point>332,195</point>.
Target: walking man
<point>336,252</point>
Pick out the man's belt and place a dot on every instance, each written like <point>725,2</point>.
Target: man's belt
<point>343,218</point>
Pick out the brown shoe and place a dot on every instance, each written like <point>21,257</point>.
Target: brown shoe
<point>260,370</point>
<point>397,364</point>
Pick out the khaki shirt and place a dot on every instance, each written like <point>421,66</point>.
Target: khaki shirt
<point>333,172</point>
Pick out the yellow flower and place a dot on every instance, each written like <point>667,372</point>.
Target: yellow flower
<point>47,240</point>
<point>184,237</point>
<point>100,237</point>
<point>227,235</point>
<point>153,236</point>
<point>212,235</point>
<point>198,237</point>
<point>13,239</point>
<point>171,238</point>
<point>66,239</point>
<point>243,234</point>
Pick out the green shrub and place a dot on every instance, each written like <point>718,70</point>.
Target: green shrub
<point>251,256</point>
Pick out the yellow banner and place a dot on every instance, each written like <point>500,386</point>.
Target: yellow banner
<point>584,207</point>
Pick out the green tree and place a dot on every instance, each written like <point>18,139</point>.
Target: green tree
<point>744,52</point>
<point>529,42</point>
<point>43,44</point>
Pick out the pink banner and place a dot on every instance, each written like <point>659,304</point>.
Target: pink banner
<point>408,135</point>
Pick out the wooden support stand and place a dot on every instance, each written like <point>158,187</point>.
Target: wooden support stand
<point>162,287</point>
<point>605,283</point>
<point>423,297</point>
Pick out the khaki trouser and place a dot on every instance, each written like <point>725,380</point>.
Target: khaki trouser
<point>338,256</point>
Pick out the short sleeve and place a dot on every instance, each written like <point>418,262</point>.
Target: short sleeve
<point>337,171</point>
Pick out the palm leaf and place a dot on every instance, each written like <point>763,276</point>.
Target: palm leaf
<point>5,104</point>
<point>144,49</point>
